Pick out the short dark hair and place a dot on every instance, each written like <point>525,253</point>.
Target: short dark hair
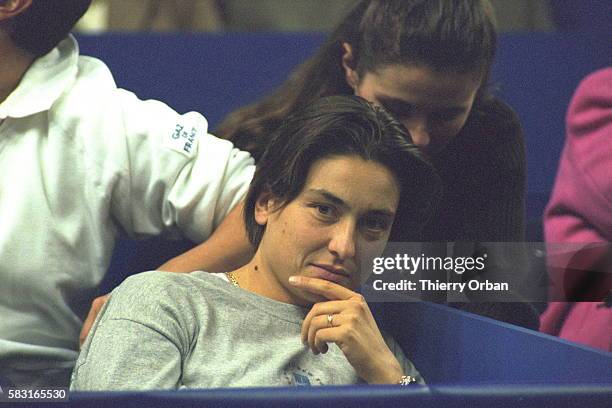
<point>44,24</point>
<point>343,125</point>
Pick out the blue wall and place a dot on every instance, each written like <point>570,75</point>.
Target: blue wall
<point>536,73</point>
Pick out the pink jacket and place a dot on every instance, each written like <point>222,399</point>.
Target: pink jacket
<point>580,212</point>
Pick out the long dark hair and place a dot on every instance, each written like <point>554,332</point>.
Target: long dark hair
<point>455,35</point>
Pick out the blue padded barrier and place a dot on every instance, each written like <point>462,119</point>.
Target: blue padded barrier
<point>451,346</point>
<point>585,395</point>
<point>468,361</point>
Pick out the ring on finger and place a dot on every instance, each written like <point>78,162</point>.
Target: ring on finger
<point>330,320</point>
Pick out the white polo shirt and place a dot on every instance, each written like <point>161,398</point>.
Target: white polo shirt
<point>82,161</point>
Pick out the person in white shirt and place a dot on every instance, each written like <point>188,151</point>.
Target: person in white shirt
<point>82,162</point>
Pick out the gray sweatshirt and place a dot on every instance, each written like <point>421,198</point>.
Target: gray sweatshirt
<point>164,330</point>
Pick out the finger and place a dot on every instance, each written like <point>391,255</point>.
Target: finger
<point>322,287</point>
<point>96,306</point>
<point>319,323</point>
<point>321,346</point>
<point>321,308</point>
<point>327,335</point>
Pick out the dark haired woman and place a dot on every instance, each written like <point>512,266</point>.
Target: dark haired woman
<point>321,205</point>
<point>428,62</point>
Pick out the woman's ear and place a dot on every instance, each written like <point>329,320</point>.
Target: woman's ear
<point>264,206</point>
<point>348,63</point>
<point>12,8</point>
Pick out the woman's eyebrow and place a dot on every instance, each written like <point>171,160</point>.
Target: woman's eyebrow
<point>394,103</point>
<point>339,202</point>
<point>328,196</point>
<point>382,213</point>
<point>397,104</point>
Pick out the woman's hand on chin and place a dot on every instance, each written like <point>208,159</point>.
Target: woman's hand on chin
<point>346,319</point>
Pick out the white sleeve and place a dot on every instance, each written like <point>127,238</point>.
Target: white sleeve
<point>174,174</point>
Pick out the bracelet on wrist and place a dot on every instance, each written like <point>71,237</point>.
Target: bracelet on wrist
<point>407,380</point>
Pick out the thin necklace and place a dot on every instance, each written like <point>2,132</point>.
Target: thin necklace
<point>232,278</point>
